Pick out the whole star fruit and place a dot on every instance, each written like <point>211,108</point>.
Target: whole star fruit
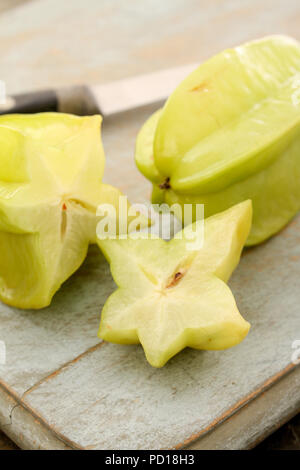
<point>229,132</point>
<point>170,296</point>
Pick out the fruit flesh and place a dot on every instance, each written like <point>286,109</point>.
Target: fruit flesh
<point>50,186</point>
<point>231,131</point>
<point>170,297</point>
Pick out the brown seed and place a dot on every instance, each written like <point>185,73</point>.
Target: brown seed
<point>175,279</point>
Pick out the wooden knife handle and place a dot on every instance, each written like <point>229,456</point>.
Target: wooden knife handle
<point>35,102</point>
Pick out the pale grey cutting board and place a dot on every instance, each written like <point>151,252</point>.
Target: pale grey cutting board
<point>62,387</point>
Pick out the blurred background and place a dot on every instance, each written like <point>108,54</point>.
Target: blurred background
<point>54,43</point>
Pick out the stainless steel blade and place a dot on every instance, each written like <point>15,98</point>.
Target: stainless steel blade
<point>107,99</point>
<point>121,95</point>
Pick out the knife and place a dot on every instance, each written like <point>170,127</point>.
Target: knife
<point>106,99</point>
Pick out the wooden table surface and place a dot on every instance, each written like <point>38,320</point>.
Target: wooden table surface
<point>95,42</point>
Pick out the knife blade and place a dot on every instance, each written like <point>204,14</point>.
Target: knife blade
<point>106,99</point>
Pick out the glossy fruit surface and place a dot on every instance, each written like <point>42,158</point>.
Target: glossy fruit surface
<point>51,167</point>
<point>171,296</point>
<point>231,131</point>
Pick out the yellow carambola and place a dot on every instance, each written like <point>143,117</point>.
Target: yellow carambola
<point>171,294</point>
<point>51,167</point>
<point>230,132</point>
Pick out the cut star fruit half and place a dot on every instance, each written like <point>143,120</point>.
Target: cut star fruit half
<point>230,132</point>
<point>51,167</point>
<point>172,295</point>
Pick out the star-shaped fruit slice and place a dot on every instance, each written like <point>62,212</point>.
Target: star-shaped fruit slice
<point>51,167</point>
<point>174,294</point>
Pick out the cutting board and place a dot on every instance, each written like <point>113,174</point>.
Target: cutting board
<point>62,387</point>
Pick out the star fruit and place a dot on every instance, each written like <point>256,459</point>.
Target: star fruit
<point>51,166</point>
<point>229,132</point>
<point>171,296</point>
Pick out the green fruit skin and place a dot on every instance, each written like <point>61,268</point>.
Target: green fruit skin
<point>275,194</point>
<point>144,149</point>
<point>237,138</point>
<point>158,195</point>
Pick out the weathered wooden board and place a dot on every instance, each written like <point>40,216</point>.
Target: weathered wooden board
<point>61,387</point>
